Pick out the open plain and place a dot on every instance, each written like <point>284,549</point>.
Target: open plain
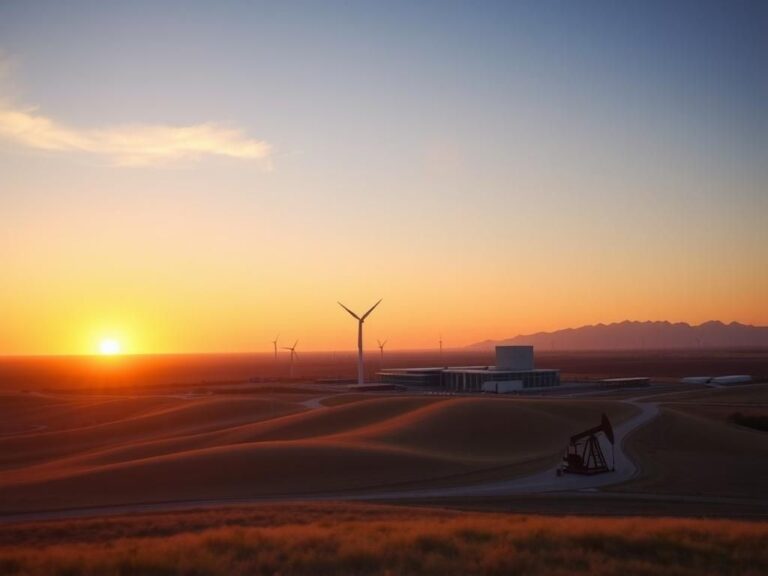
<point>176,442</point>
<point>223,476</point>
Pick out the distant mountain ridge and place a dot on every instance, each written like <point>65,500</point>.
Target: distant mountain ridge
<point>629,335</point>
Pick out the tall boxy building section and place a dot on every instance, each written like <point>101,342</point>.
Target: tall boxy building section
<point>514,370</point>
<point>514,358</point>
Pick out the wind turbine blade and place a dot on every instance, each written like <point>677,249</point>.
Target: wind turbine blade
<point>350,311</point>
<point>371,310</point>
<point>285,348</point>
<point>384,343</point>
<point>294,344</point>
<point>379,342</point>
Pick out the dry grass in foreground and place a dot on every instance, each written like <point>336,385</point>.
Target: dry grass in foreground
<point>363,539</point>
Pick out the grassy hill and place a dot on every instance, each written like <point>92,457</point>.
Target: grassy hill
<point>304,539</point>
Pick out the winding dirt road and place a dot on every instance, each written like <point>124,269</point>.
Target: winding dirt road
<point>548,480</point>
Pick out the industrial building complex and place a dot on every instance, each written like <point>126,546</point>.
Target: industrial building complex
<point>514,370</point>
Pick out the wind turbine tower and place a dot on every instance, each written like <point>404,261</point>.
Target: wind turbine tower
<point>360,320</point>
<point>274,343</point>
<point>293,355</point>
<point>381,348</point>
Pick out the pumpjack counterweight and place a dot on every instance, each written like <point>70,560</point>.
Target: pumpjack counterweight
<point>584,455</point>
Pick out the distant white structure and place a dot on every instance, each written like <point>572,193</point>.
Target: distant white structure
<point>274,343</point>
<point>360,321</point>
<point>718,380</point>
<point>696,380</point>
<point>625,382</point>
<point>293,356</point>
<point>735,379</point>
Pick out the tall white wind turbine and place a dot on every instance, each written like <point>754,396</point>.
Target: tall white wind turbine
<point>274,343</point>
<point>381,348</point>
<point>360,320</point>
<point>293,356</point>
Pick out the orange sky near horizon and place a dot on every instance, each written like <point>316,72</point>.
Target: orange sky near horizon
<point>235,288</point>
<point>223,309</point>
<point>162,284</point>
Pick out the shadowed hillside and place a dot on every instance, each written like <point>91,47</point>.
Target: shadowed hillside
<point>179,448</point>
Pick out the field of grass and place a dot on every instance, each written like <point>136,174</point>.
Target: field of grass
<point>366,539</point>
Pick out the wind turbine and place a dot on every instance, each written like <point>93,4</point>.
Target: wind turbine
<point>293,355</point>
<point>360,320</point>
<point>441,349</point>
<point>274,343</point>
<point>381,347</point>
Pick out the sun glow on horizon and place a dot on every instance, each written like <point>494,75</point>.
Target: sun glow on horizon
<point>109,347</point>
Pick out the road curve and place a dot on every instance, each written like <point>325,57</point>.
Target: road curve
<point>548,480</point>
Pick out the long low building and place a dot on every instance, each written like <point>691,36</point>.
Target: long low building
<point>473,379</point>
<point>514,370</point>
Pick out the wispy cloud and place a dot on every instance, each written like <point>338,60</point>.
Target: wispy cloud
<point>134,144</point>
<point>130,144</point>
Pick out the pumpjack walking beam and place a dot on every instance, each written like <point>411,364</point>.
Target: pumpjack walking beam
<point>584,454</point>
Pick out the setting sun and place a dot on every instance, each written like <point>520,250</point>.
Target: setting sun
<point>109,347</point>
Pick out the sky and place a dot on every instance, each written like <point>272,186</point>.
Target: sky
<point>200,176</point>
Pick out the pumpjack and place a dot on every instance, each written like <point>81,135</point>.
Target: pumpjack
<point>584,454</point>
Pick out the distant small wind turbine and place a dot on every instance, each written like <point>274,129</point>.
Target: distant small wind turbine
<point>441,349</point>
<point>381,348</point>
<point>360,320</point>
<point>274,343</point>
<point>294,354</point>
